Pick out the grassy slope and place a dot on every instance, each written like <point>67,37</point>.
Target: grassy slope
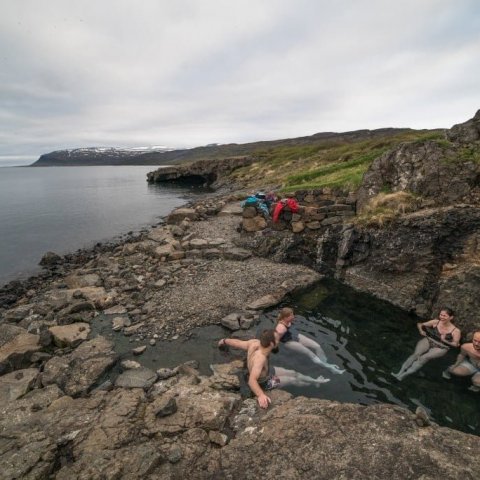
<point>331,162</point>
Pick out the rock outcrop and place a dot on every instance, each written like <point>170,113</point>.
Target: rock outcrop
<point>198,427</point>
<point>207,172</point>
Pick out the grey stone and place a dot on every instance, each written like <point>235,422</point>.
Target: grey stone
<point>165,406</point>
<point>78,371</point>
<point>237,254</point>
<point>70,335</point>
<point>16,384</point>
<point>231,321</point>
<point>136,378</point>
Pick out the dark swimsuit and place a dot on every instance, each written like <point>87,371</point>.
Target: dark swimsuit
<point>291,335</point>
<point>434,337</point>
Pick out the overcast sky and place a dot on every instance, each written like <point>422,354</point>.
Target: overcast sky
<point>182,73</point>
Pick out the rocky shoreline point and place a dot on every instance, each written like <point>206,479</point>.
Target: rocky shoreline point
<point>60,419</point>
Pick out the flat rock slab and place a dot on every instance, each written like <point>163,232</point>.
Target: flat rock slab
<point>16,347</point>
<point>232,209</point>
<point>61,298</point>
<point>115,310</point>
<point>79,371</point>
<point>265,302</point>
<point>16,384</point>
<point>80,281</point>
<point>136,378</point>
<point>70,335</point>
<point>237,254</point>
<point>180,214</point>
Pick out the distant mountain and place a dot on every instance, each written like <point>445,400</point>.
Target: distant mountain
<point>165,156</point>
<point>100,156</point>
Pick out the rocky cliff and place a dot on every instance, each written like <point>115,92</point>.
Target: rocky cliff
<point>208,172</point>
<point>415,241</point>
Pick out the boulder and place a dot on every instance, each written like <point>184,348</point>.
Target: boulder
<point>79,371</point>
<point>70,335</point>
<point>136,378</point>
<point>266,301</point>
<point>180,214</point>
<point>16,384</point>
<point>79,281</point>
<point>231,209</point>
<point>249,212</point>
<point>254,224</point>
<point>50,259</point>
<point>17,314</point>
<point>226,375</point>
<point>298,227</point>
<point>16,347</point>
<point>238,254</point>
<point>231,321</point>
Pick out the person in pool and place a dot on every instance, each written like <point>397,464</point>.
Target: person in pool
<point>468,362</point>
<point>263,377</point>
<point>439,335</point>
<point>299,343</point>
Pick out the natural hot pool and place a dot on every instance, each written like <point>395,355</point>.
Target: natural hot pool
<point>367,337</point>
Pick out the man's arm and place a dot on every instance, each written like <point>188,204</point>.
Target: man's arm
<point>235,343</point>
<point>255,373</point>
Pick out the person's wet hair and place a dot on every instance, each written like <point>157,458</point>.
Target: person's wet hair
<point>450,312</point>
<point>284,313</point>
<point>267,337</point>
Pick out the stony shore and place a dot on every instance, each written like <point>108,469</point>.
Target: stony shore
<point>58,420</point>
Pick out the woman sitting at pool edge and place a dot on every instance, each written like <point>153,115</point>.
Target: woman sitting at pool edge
<point>439,336</point>
<point>300,343</point>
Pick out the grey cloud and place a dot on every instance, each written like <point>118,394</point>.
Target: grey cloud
<point>193,72</point>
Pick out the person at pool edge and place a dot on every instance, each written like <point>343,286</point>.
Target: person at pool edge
<point>468,362</point>
<point>439,336</point>
<point>300,343</point>
<point>263,377</point>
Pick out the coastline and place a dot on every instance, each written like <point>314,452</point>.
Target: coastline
<point>63,420</point>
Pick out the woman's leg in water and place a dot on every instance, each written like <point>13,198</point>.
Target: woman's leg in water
<point>297,379</point>
<point>313,345</point>
<point>422,347</point>
<point>422,360</point>
<point>303,350</point>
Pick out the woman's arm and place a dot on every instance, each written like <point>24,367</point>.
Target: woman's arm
<point>280,330</point>
<point>456,338</point>
<point>430,323</point>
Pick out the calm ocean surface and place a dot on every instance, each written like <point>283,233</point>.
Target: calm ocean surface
<point>62,209</point>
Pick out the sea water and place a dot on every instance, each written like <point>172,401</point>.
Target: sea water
<point>62,209</point>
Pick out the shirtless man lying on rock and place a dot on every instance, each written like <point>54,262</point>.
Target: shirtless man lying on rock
<point>261,375</point>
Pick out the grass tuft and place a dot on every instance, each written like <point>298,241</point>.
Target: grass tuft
<point>385,207</point>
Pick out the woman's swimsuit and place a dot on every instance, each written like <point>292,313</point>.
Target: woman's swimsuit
<point>434,337</point>
<point>291,335</point>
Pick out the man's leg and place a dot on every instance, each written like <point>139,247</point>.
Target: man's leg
<point>297,379</point>
<point>475,383</point>
<point>313,345</point>
<point>459,371</point>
